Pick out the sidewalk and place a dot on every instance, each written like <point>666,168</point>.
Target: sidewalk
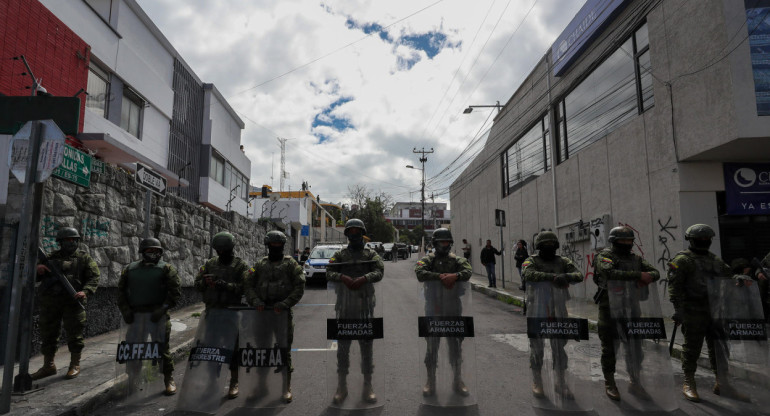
<point>512,295</point>
<point>97,381</point>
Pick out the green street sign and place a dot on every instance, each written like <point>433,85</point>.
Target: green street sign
<point>75,168</point>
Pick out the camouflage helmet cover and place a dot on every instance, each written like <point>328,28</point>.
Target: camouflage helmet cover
<point>355,223</point>
<point>621,233</point>
<point>545,237</point>
<point>442,234</point>
<point>699,231</point>
<point>275,237</point>
<point>67,232</point>
<point>223,241</point>
<point>149,243</point>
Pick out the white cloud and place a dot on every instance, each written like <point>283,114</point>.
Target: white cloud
<point>238,44</point>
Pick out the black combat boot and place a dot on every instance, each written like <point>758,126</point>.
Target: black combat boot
<point>342,389</point>
<point>368,393</point>
<point>610,387</point>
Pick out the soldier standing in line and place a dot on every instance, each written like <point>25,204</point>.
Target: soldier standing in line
<point>359,269</point>
<point>221,282</point>
<point>619,263</point>
<point>56,306</point>
<point>547,266</point>
<point>277,282</point>
<point>688,274</point>
<point>446,267</point>
<point>151,285</point>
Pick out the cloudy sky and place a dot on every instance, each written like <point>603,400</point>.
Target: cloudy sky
<point>356,85</point>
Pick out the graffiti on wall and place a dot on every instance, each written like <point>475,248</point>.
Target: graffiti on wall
<point>665,237</point>
<point>90,228</point>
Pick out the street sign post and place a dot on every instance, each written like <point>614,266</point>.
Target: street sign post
<point>75,168</point>
<point>150,179</point>
<point>50,154</point>
<point>500,222</point>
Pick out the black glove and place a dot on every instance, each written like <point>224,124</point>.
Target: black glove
<point>220,284</point>
<point>677,318</point>
<point>158,313</point>
<point>560,280</point>
<point>128,317</point>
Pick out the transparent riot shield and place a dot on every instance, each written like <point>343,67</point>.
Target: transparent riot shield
<point>642,361</point>
<point>556,325</point>
<point>448,354</point>
<point>354,328</point>
<point>263,358</point>
<point>208,368</point>
<point>140,357</point>
<point>740,343</point>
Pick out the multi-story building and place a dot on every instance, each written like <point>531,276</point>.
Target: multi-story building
<point>146,105</point>
<point>406,215</point>
<point>646,113</point>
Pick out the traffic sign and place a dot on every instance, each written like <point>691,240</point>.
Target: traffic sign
<point>500,218</point>
<point>75,168</point>
<point>51,150</point>
<point>150,179</point>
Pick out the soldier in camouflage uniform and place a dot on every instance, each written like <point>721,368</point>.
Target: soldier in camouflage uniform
<point>764,285</point>
<point>221,282</point>
<point>56,306</point>
<point>547,266</point>
<point>446,267</point>
<point>151,285</point>
<point>688,275</point>
<point>359,268</point>
<point>277,282</point>
<point>620,263</point>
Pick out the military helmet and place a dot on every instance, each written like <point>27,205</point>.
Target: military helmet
<point>355,223</point>
<point>621,233</point>
<point>546,237</point>
<point>223,241</point>
<point>737,265</point>
<point>275,237</point>
<point>442,234</point>
<point>699,231</point>
<point>67,232</point>
<point>149,243</point>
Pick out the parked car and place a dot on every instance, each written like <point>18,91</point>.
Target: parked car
<point>315,266</point>
<point>403,251</point>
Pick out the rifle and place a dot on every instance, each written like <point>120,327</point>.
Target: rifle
<point>673,336</point>
<point>43,259</point>
<point>755,263</point>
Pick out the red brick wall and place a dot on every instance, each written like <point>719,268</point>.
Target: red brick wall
<point>50,47</point>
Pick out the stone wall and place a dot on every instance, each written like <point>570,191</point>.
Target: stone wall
<point>110,217</point>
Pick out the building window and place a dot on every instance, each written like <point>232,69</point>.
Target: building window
<point>131,112</point>
<point>218,168</point>
<point>527,158</point>
<point>618,89</point>
<point>98,88</point>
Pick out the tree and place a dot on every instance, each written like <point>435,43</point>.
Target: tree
<point>371,209</point>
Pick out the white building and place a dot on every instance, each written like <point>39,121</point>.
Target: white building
<point>406,215</point>
<point>146,105</point>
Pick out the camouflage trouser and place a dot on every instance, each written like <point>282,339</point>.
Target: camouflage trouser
<point>343,355</point>
<point>167,364</point>
<point>696,327</point>
<point>610,344</point>
<point>455,351</point>
<point>54,310</point>
<point>537,351</point>
<point>273,336</point>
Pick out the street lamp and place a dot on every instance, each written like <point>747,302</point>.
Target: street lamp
<point>470,108</point>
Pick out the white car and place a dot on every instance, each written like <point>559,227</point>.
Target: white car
<point>315,265</point>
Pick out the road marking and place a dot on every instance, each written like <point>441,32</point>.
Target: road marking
<point>314,304</point>
<point>332,347</point>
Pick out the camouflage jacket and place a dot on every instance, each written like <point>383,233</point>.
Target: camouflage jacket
<point>162,287</point>
<point>688,275</point>
<point>609,265</point>
<point>232,274</point>
<point>355,303</point>
<point>79,268</point>
<point>268,283</point>
<point>440,300</point>
<point>537,269</point>
<point>430,267</point>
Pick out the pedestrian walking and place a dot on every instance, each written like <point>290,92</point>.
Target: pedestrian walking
<point>488,254</point>
<point>519,256</point>
<point>394,253</point>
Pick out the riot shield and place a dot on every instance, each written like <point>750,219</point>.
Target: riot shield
<point>555,328</point>
<point>208,368</point>
<point>642,361</point>
<point>139,357</point>
<point>740,337</point>
<point>263,358</point>
<point>446,322</point>
<point>353,327</point>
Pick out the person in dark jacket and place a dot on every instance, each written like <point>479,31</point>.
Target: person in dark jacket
<point>488,260</point>
<point>520,255</point>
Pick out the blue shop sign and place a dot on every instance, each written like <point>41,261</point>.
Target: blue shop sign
<point>582,30</point>
<point>305,230</point>
<point>747,188</point>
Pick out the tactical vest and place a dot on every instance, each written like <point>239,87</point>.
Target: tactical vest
<point>438,299</point>
<point>355,304</point>
<point>274,282</point>
<point>557,265</point>
<point>706,268</point>
<point>70,267</point>
<point>145,284</point>
<point>214,296</point>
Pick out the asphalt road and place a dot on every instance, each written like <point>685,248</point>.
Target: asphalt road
<point>502,376</point>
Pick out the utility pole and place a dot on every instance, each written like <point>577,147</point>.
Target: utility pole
<point>283,162</point>
<point>423,159</point>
